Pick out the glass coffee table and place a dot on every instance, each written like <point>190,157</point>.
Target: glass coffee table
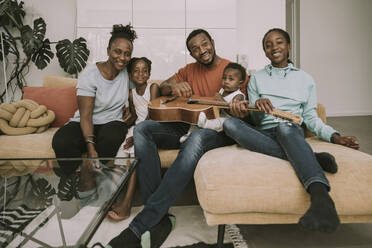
<point>41,209</point>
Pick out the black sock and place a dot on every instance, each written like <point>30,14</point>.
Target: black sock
<point>326,161</point>
<point>322,215</point>
<point>127,239</point>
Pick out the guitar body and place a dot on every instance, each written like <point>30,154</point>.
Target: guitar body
<point>179,110</point>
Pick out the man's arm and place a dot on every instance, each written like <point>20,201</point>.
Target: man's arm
<point>171,87</point>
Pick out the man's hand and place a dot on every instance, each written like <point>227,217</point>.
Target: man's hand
<point>128,143</point>
<point>181,89</point>
<point>264,104</point>
<point>238,108</point>
<point>349,141</point>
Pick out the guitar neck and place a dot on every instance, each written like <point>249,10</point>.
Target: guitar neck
<point>277,113</point>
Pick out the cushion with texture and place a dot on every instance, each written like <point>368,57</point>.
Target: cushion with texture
<point>61,100</point>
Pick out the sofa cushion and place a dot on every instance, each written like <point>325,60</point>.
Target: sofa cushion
<point>61,100</point>
<point>233,180</point>
<point>25,146</point>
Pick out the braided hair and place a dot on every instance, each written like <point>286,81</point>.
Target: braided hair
<point>119,31</point>
<point>135,59</point>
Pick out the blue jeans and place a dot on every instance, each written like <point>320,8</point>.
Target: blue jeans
<point>285,141</point>
<point>158,193</point>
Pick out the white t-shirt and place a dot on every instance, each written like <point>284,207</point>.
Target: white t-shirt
<point>110,95</point>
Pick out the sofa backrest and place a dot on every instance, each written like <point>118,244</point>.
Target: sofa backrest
<point>58,81</point>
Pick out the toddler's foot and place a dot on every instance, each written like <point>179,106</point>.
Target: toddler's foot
<point>202,120</point>
<point>322,215</point>
<point>327,161</point>
<point>191,129</point>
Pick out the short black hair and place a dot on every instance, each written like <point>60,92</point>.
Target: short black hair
<point>133,60</point>
<point>120,31</point>
<point>195,33</point>
<point>238,67</point>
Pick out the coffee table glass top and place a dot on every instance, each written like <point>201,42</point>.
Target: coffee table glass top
<point>42,209</point>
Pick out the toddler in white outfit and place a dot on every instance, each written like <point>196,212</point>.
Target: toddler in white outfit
<point>232,79</point>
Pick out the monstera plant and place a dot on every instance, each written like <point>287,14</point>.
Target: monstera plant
<point>22,44</point>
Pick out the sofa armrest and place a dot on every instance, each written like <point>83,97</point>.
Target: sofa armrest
<point>320,109</point>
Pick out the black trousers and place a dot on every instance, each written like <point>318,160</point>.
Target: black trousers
<point>68,142</point>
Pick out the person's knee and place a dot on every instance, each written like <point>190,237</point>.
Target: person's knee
<point>231,126</point>
<point>289,129</point>
<point>61,143</point>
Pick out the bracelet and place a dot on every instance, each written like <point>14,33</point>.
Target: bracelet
<point>91,136</point>
<point>90,141</point>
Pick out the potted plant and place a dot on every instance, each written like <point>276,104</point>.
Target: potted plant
<point>22,44</point>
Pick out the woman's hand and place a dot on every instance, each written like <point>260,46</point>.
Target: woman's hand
<point>264,104</point>
<point>238,108</point>
<point>181,89</point>
<point>349,141</point>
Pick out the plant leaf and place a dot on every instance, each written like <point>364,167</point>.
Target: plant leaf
<point>42,193</point>
<point>32,39</point>
<point>6,42</point>
<point>13,9</point>
<point>72,57</point>
<point>43,56</point>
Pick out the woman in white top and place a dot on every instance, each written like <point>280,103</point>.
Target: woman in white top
<point>97,128</point>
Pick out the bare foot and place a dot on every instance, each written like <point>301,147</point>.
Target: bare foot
<point>119,213</point>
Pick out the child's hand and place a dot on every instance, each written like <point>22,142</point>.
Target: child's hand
<point>218,97</point>
<point>126,114</point>
<point>264,104</point>
<point>128,143</point>
<point>349,141</point>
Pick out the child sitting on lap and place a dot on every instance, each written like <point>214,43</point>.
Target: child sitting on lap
<point>139,72</point>
<point>232,79</point>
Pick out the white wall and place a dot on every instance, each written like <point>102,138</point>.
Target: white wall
<point>60,18</point>
<point>254,19</point>
<point>336,39</point>
<point>335,44</point>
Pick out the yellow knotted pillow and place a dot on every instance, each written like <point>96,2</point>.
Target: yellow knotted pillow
<point>24,117</point>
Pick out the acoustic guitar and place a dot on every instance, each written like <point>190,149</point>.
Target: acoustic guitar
<point>182,109</point>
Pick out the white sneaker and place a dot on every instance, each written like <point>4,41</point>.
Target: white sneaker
<point>202,120</point>
<point>214,124</point>
<point>191,129</point>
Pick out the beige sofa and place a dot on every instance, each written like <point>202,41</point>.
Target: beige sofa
<point>234,185</point>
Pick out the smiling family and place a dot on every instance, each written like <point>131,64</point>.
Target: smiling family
<point>98,129</point>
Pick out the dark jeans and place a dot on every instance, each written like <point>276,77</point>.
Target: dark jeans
<point>68,142</point>
<point>286,141</point>
<point>159,193</point>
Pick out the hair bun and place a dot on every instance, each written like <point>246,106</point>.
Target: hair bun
<point>126,31</point>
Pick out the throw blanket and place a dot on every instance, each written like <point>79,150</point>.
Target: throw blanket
<point>24,117</point>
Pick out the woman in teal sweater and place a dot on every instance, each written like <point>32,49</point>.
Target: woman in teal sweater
<point>290,89</point>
